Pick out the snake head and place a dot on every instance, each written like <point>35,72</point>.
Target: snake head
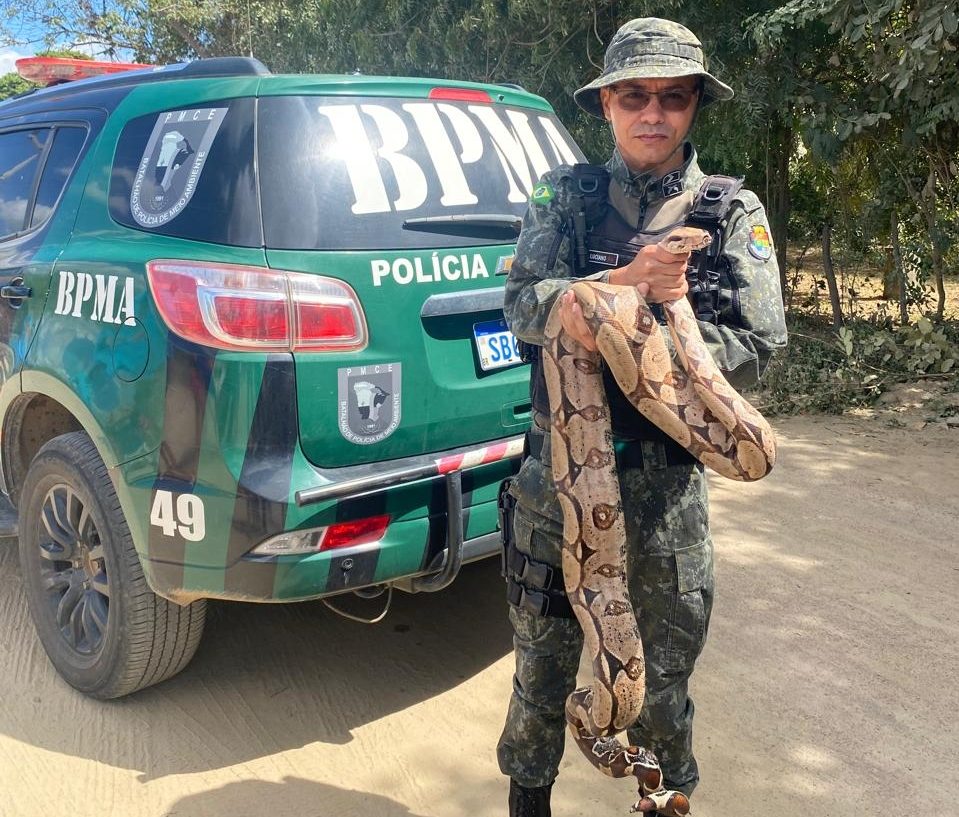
<point>686,239</point>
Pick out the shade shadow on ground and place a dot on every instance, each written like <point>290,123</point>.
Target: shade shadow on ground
<point>292,797</point>
<point>266,678</point>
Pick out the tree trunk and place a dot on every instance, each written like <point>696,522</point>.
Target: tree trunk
<point>897,262</point>
<point>778,203</point>
<point>830,273</point>
<point>932,228</point>
<point>937,272</point>
<point>186,35</point>
<point>890,275</point>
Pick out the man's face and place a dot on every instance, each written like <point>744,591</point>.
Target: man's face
<point>650,119</point>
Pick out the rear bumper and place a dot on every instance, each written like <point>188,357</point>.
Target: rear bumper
<point>379,479</point>
<point>305,578</point>
<point>443,510</point>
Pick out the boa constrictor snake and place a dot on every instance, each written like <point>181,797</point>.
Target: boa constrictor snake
<point>694,404</point>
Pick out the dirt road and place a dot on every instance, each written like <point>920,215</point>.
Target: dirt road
<point>828,686</point>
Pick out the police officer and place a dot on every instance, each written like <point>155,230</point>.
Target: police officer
<point>603,224</point>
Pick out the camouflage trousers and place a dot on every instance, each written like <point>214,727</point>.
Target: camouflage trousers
<point>670,577</point>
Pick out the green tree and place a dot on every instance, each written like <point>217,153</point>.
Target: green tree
<point>890,84</point>
<point>13,84</point>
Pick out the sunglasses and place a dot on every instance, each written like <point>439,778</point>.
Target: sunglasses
<point>636,99</point>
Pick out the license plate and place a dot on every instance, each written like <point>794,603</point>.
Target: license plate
<point>495,344</point>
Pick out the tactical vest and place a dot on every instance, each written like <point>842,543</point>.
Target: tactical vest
<point>600,239</point>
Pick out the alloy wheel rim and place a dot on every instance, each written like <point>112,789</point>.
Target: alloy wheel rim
<point>73,570</point>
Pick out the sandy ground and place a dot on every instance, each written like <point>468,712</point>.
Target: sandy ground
<point>828,686</point>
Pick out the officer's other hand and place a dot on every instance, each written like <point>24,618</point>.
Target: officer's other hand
<point>663,272</point>
<point>571,314</point>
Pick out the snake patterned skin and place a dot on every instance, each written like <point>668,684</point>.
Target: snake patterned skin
<point>695,405</point>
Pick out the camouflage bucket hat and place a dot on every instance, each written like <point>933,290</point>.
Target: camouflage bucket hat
<point>648,48</point>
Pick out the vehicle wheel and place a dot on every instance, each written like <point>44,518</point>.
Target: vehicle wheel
<point>103,628</point>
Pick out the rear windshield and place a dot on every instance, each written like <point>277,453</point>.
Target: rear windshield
<point>188,173</point>
<point>345,173</point>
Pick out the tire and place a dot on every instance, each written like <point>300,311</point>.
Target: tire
<point>104,630</point>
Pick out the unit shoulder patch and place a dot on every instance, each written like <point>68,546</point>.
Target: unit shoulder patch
<point>760,244</point>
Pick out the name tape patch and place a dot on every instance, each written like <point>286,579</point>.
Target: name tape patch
<point>607,259</point>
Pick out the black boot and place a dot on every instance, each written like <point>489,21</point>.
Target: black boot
<point>525,802</point>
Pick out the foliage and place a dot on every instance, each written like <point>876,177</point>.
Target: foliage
<point>802,379</point>
<point>887,88</point>
<point>13,84</point>
<point>826,371</point>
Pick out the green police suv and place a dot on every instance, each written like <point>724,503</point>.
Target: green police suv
<point>252,343</point>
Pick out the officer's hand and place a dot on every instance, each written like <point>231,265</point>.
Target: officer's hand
<point>663,272</point>
<point>571,314</point>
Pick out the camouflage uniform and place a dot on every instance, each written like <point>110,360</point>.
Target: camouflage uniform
<point>670,553</point>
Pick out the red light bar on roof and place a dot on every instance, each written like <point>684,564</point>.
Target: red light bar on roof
<point>54,70</point>
<point>460,95</point>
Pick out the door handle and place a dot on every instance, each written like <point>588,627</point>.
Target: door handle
<point>15,291</point>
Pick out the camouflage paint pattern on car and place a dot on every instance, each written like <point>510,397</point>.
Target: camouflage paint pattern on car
<point>233,436</point>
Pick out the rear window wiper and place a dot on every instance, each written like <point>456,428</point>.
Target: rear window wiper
<point>480,225</point>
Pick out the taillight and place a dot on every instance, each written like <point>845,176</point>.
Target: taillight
<point>356,532</point>
<point>251,308</point>
<point>336,536</point>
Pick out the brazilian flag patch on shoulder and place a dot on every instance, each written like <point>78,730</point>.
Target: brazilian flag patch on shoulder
<point>542,194</point>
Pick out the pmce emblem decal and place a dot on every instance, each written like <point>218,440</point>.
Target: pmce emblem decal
<point>369,402</point>
<point>171,164</point>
